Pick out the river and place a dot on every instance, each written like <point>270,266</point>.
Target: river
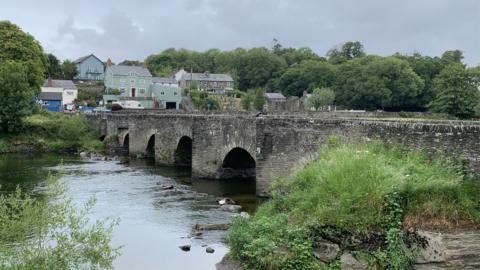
<point>153,222</point>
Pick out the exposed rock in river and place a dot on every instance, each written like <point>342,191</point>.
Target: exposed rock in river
<point>231,208</point>
<point>185,248</point>
<point>210,250</point>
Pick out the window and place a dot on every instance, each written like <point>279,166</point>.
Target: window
<point>162,93</point>
<point>132,80</point>
<point>142,90</point>
<point>122,80</point>
<point>175,93</point>
<point>69,93</point>
<point>122,89</point>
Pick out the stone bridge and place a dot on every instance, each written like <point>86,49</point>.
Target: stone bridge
<point>228,146</point>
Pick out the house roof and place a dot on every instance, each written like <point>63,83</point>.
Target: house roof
<point>212,77</point>
<point>170,80</point>
<point>121,70</point>
<point>50,96</point>
<point>83,58</point>
<point>274,96</point>
<point>65,84</point>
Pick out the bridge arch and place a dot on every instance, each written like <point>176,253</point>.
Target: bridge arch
<point>183,152</point>
<point>238,163</point>
<point>126,142</point>
<point>150,149</point>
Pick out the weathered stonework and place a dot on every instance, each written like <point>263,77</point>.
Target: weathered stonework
<point>279,144</point>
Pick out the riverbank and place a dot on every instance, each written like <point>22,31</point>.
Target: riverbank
<point>360,206</point>
<point>51,132</point>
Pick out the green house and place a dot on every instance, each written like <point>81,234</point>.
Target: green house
<point>133,83</point>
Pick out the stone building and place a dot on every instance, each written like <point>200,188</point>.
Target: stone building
<point>215,83</point>
<point>275,102</point>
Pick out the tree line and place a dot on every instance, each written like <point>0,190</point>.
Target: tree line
<point>400,82</point>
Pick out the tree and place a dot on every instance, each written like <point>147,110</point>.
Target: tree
<point>321,97</point>
<point>375,82</point>
<point>259,100</point>
<point>347,51</point>
<point>131,63</point>
<point>247,100</point>
<point>69,70</point>
<point>453,56</point>
<point>257,67</point>
<point>22,48</point>
<point>53,69</point>
<point>306,76</point>
<point>16,95</point>
<point>455,92</point>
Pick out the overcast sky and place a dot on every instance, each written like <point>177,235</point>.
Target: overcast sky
<point>134,29</point>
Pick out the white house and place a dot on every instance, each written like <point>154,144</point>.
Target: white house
<point>66,87</point>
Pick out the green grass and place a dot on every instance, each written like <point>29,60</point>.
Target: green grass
<point>47,131</point>
<point>350,189</point>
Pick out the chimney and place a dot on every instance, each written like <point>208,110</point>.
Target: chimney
<point>109,62</point>
<point>50,82</point>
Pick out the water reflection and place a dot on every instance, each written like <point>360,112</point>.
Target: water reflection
<point>154,221</point>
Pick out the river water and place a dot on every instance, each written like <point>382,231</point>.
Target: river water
<point>153,222</point>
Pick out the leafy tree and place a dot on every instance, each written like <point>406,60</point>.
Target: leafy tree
<point>321,97</point>
<point>131,63</point>
<point>453,56</point>
<point>22,48</point>
<point>348,51</point>
<point>247,100</point>
<point>16,95</point>
<point>375,82</point>
<point>257,67</point>
<point>427,68</point>
<point>305,76</point>
<point>53,69</point>
<point>69,70</point>
<point>456,92</point>
<point>259,100</point>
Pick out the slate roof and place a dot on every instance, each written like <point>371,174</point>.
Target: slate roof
<point>83,58</point>
<point>207,77</point>
<point>50,96</point>
<point>65,84</point>
<point>160,80</point>
<point>121,70</point>
<point>274,96</point>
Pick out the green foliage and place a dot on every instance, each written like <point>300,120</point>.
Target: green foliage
<point>52,132</point>
<point>455,92</point>
<point>21,47</point>
<point>22,65</point>
<point>247,100</point>
<point>16,96</point>
<point>69,70</point>
<point>259,99</point>
<point>131,63</point>
<point>321,97</point>
<point>347,51</point>
<point>53,68</point>
<point>355,190</point>
<point>201,100</point>
<point>306,75</point>
<point>375,82</point>
<point>48,232</point>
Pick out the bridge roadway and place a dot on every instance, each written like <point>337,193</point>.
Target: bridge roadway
<point>268,147</point>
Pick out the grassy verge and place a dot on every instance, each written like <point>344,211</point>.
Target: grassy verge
<point>47,132</point>
<point>369,192</point>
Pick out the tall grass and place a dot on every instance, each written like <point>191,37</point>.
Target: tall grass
<point>346,188</point>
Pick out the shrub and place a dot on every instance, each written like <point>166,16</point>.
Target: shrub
<point>356,190</point>
<point>49,233</point>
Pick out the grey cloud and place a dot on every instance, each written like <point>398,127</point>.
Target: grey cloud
<point>135,31</point>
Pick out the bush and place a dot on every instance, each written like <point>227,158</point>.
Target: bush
<point>49,233</point>
<point>201,99</point>
<point>351,189</point>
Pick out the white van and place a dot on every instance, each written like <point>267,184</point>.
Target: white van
<point>129,104</point>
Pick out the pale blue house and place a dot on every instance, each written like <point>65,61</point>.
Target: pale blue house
<point>90,68</point>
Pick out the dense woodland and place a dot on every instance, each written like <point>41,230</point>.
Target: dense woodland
<point>360,81</point>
